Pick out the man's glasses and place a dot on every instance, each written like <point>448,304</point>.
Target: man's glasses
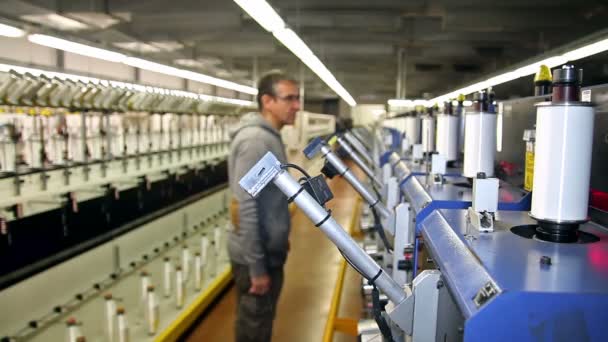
<point>289,98</point>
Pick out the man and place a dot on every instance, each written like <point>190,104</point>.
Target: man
<point>258,243</point>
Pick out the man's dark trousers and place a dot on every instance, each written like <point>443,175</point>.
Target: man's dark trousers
<point>254,313</point>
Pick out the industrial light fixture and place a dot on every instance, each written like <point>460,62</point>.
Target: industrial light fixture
<point>138,87</point>
<point>10,31</point>
<point>55,21</point>
<point>112,56</point>
<point>529,69</point>
<point>270,20</point>
<point>77,48</point>
<point>263,13</point>
<point>407,102</point>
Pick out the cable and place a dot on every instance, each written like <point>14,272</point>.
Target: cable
<point>306,178</point>
<point>377,308</point>
<point>378,225</point>
<point>294,166</point>
<point>380,230</point>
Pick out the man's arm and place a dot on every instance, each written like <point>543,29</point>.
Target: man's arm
<point>247,154</point>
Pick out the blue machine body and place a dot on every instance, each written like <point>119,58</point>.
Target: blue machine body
<point>564,301</point>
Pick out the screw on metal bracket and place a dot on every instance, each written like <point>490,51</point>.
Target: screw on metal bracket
<point>487,292</point>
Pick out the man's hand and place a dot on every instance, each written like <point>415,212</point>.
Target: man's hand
<point>260,285</point>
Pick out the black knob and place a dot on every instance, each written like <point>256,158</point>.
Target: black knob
<point>545,260</point>
<point>404,265</point>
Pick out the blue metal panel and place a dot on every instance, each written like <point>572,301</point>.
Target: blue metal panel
<point>461,269</point>
<point>566,301</point>
<point>534,316</point>
<point>515,261</point>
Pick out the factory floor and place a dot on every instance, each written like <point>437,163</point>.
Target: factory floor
<point>310,276</point>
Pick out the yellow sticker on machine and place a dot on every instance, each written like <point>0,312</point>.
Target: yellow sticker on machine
<point>529,175</point>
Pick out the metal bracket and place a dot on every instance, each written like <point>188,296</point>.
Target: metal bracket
<point>487,292</point>
<point>402,314</point>
<point>262,173</point>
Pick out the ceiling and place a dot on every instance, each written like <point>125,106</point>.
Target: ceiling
<point>445,42</point>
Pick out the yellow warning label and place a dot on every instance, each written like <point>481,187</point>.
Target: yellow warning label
<point>529,175</point>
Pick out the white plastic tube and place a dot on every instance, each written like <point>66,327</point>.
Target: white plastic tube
<point>198,275</point>
<point>562,162</point>
<point>110,306</point>
<point>180,288</point>
<point>412,129</point>
<point>122,327</point>
<point>152,313</point>
<point>167,279</point>
<point>428,133</point>
<point>447,136</point>
<point>479,144</point>
<point>185,262</point>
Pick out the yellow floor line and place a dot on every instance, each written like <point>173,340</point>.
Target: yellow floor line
<point>328,333</point>
<point>188,316</point>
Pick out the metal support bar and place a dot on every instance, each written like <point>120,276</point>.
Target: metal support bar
<point>343,170</point>
<point>356,144</point>
<point>355,157</point>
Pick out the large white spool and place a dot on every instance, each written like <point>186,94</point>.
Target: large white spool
<point>447,136</point>
<point>562,162</point>
<point>428,133</point>
<point>412,129</point>
<point>479,144</point>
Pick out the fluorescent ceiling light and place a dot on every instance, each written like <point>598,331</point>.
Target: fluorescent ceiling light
<point>167,45</point>
<point>10,31</point>
<point>268,18</point>
<point>56,21</point>
<point>137,47</point>
<point>77,48</point>
<point>297,46</point>
<point>587,50</point>
<point>138,87</point>
<point>530,69</point>
<point>96,19</point>
<point>263,13</point>
<point>407,102</point>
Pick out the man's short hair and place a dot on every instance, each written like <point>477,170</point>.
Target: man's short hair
<point>268,82</point>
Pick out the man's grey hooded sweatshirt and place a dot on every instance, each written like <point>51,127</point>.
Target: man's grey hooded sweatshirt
<point>260,236</point>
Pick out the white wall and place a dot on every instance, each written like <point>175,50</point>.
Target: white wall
<point>24,52</point>
<point>160,80</point>
<point>88,65</point>
<point>367,114</point>
<point>198,87</point>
